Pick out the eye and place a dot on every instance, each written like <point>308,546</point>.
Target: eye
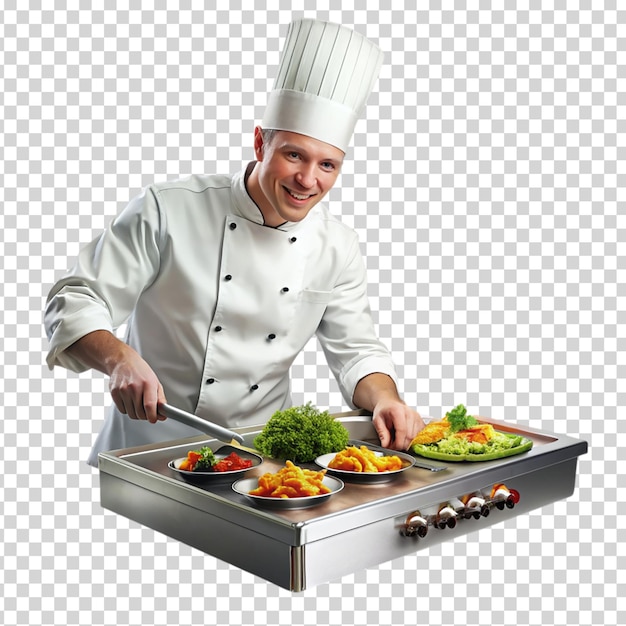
<point>293,155</point>
<point>328,166</point>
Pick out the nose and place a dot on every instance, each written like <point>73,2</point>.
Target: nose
<point>305,176</point>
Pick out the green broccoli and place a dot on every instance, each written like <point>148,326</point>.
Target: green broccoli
<point>459,419</point>
<point>301,434</point>
<point>206,461</point>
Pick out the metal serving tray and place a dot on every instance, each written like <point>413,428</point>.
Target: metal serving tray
<point>359,527</point>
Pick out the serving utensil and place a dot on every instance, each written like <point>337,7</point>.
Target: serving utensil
<point>189,419</point>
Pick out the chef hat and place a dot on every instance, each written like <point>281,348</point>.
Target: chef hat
<point>325,76</point>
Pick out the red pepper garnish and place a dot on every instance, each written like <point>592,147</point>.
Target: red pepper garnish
<point>190,462</point>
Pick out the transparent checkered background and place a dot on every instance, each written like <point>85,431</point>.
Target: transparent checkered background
<point>487,185</point>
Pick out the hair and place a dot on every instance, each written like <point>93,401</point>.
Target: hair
<point>268,135</point>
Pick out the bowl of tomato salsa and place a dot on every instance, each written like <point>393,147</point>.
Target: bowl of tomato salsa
<point>230,463</point>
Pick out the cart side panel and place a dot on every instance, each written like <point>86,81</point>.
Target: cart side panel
<point>247,549</point>
<point>368,546</point>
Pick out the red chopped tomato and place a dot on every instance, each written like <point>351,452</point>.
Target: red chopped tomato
<point>231,463</point>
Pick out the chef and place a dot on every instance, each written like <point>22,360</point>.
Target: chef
<point>221,280</point>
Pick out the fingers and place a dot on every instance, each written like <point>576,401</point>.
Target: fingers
<point>383,433</point>
<point>130,400</point>
<point>152,397</point>
<point>414,424</point>
<point>161,399</point>
<point>390,428</point>
<point>401,437</point>
<point>397,428</point>
<point>151,400</point>
<point>118,400</point>
<point>136,391</point>
<point>398,437</point>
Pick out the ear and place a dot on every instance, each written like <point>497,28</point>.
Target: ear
<point>258,143</point>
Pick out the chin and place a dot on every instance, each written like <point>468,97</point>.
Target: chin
<point>291,214</point>
<point>293,217</point>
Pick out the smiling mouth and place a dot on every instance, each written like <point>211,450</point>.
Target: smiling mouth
<point>298,196</point>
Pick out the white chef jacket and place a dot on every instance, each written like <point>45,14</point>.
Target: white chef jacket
<point>217,303</point>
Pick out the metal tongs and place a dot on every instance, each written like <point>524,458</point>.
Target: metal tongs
<point>189,419</point>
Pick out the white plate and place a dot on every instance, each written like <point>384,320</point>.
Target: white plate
<point>246,485</point>
<point>368,477</point>
<point>215,477</point>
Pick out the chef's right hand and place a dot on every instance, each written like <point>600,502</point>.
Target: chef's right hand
<point>135,388</point>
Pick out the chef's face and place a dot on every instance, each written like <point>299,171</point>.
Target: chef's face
<point>294,172</point>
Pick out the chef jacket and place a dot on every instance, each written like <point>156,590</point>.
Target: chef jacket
<point>218,304</point>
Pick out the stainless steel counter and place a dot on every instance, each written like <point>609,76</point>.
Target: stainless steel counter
<point>361,526</point>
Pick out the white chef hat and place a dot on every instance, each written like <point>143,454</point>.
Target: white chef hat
<point>325,76</point>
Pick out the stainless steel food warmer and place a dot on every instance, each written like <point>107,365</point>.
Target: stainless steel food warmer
<point>361,526</point>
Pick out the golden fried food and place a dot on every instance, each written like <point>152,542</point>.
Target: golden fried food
<point>291,481</point>
<point>481,433</point>
<point>362,459</point>
<point>435,431</point>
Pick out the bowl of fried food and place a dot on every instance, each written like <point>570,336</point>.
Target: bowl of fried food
<point>292,487</point>
<point>365,464</point>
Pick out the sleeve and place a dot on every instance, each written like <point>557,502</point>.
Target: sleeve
<point>101,290</point>
<point>346,332</point>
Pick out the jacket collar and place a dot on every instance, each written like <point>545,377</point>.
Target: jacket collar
<point>247,208</point>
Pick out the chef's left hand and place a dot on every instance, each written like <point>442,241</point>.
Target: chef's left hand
<point>396,424</point>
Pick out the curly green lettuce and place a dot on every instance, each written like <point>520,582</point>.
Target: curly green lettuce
<point>459,419</point>
<point>301,434</point>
